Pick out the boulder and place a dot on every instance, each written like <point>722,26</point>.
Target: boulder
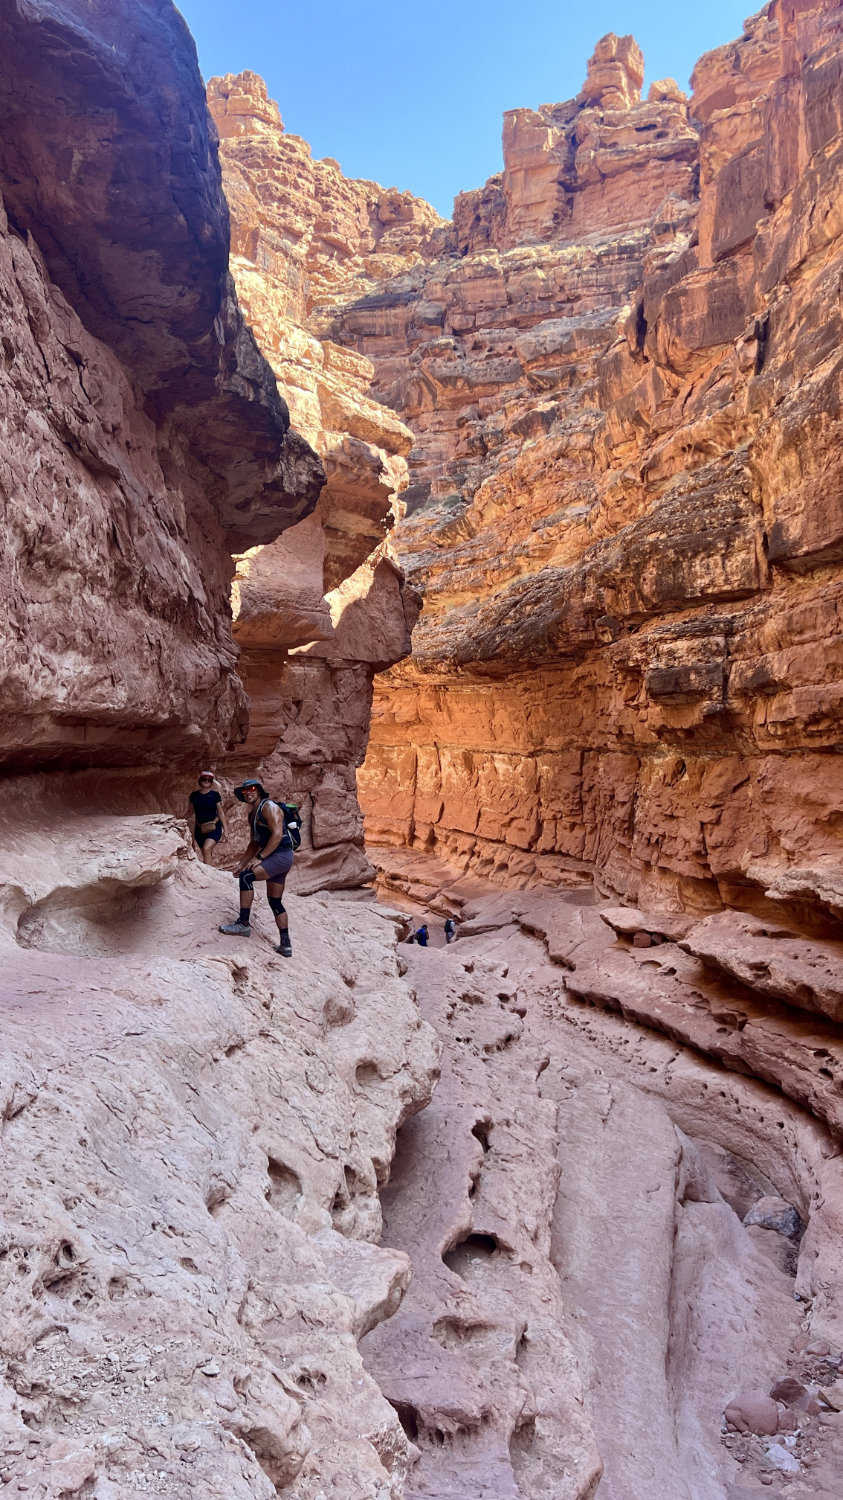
<point>753,1411</point>
<point>774,1213</point>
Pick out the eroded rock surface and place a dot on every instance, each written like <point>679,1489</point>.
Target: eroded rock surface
<point>605,1258</point>
<point>324,608</point>
<point>144,435</point>
<point>192,1142</point>
<point>670,1198</point>
<point>623,378</point>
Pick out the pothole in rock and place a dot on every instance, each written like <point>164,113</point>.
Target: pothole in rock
<point>462,1334</point>
<point>408,1417</point>
<point>345,1207</point>
<point>471,1254</point>
<point>284,1189</point>
<point>97,921</point>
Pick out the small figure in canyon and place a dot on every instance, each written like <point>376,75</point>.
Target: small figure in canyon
<point>204,807</point>
<point>422,935</point>
<point>450,930</point>
<point>276,834</point>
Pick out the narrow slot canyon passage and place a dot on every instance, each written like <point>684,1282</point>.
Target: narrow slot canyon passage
<point>497,557</point>
<point>586,1298</point>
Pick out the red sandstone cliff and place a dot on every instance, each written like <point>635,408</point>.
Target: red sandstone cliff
<point>623,378</point>
<point>583,1240</point>
<point>323,609</point>
<point>144,436</point>
<point>164,1180</point>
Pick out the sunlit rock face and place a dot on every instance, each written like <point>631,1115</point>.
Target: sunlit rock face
<point>625,513</point>
<point>144,437</point>
<point>318,612</point>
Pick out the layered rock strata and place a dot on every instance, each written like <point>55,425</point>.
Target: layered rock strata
<point>144,435</point>
<point>624,382</point>
<point>320,611</point>
<point>614,1230</point>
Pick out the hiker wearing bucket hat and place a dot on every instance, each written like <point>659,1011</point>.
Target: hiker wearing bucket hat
<point>204,809</point>
<point>269,857</point>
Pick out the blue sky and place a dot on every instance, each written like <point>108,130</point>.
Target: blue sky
<point>412,96</point>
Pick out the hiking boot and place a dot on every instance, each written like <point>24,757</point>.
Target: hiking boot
<point>284,947</point>
<point>236,929</point>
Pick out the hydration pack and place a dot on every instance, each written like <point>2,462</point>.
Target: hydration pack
<point>292,820</point>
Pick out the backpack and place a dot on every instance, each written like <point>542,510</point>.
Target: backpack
<point>292,820</point>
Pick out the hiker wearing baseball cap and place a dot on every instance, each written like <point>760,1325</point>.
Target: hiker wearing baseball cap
<point>276,834</point>
<point>204,809</point>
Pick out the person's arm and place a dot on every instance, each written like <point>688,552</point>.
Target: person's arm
<point>190,815</point>
<point>247,859</point>
<point>275,819</point>
<point>221,817</point>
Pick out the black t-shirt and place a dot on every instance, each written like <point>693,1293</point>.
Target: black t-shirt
<point>205,805</point>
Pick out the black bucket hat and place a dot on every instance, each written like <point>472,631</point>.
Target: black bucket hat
<point>250,781</point>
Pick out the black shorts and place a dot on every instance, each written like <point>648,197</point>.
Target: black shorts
<point>277,864</point>
<point>202,838</point>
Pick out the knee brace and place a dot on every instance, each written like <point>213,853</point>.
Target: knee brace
<point>277,905</point>
<point>247,880</point>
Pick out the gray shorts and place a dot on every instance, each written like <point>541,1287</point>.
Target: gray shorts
<point>277,864</point>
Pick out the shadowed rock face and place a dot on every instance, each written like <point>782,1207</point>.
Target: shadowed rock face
<point>144,434</point>
<point>625,498</point>
<point>321,610</point>
<point>109,160</point>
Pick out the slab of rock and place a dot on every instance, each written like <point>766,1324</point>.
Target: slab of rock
<point>833,1395</point>
<point>565,921</point>
<point>781,1459</point>
<point>628,920</point>
<point>772,961</point>
<point>676,996</point>
<point>789,1390</point>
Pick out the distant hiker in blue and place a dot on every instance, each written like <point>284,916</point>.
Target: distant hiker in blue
<point>422,935</point>
<point>204,809</point>
<point>276,834</point>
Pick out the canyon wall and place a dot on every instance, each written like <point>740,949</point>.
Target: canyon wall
<point>192,1149</point>
<point>232,1262</point>
<point>622,373</point>
<point>144,437</point>
<point>321,610</point>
